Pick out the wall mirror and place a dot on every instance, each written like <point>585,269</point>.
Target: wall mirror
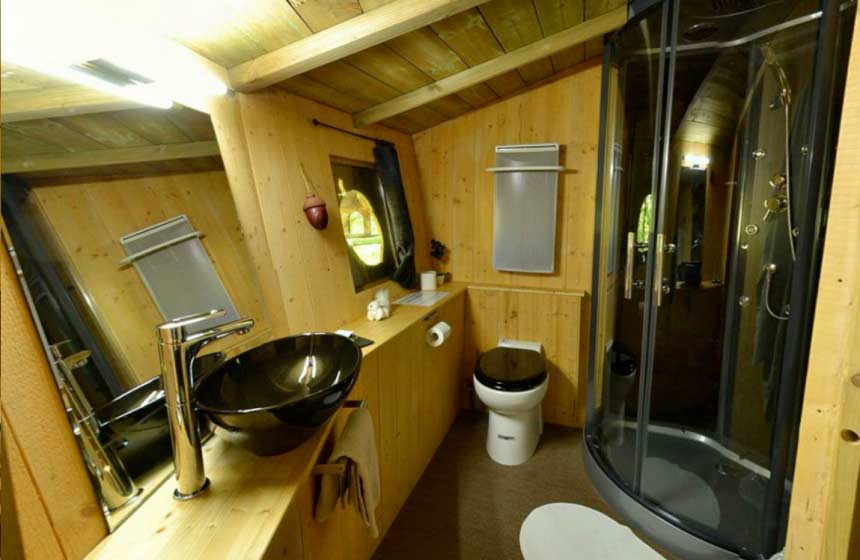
<point>108,247</point>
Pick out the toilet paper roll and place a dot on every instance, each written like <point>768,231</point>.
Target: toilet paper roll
<point>438,334</point>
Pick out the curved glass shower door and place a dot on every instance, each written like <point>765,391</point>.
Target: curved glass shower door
<point>712,179</point>
<point>635,93</point>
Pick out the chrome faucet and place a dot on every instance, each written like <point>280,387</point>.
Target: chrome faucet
<point>176,351</point>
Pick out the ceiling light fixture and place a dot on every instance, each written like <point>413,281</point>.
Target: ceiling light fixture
<point>90,49</point>
<point>695,161</point>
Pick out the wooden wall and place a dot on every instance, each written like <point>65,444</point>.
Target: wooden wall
<point>85,220</point>
<point>458,198</point>
<point>52,512</point>
<point>265,138</point>
<point>824,520</point>
<point>553,318</point>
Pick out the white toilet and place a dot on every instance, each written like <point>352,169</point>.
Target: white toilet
<point>511,380</point>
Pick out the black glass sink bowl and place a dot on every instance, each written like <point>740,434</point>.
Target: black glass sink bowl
<point>271,398</point>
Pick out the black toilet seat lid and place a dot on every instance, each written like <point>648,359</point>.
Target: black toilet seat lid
<point>511,369</point>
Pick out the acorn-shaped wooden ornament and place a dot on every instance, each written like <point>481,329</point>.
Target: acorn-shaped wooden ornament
<point>315,211</point>
<point>314,206</point>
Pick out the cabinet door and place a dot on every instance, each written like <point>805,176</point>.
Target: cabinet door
<point>400,367</point>
<point>440,379</point>
<point>356,541</point>
<point>343,535</point>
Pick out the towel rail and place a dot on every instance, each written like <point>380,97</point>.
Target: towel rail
<point>515,169</point>
<point>338,469</point>
<point>156,248</point>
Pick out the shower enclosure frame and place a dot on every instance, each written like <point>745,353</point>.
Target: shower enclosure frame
<point>663,526</point>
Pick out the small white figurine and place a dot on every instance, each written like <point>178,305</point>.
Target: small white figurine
<point>380,307</point>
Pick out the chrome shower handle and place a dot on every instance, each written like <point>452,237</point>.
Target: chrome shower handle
<point>628,267</point>
<point>658,269</point>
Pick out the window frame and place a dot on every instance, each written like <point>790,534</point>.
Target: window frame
<point>366,276</point>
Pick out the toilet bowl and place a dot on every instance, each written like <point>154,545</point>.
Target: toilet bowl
<point>511,381</point>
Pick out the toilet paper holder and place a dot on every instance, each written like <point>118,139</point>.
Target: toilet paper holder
<point>437,334</point>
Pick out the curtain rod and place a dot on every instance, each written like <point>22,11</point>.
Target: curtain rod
<point>318,122</point>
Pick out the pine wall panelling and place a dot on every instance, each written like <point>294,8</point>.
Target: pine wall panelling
<point>266,137</point>
<point>458,200</point>
<point>84,222</point>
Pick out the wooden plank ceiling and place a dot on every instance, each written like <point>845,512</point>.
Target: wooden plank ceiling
<point>440,50</point>
<point>230,34</point>
<point>84,141</point>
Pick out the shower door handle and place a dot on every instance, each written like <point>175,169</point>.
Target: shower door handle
<point>628,267</point>
<point>658,269</point>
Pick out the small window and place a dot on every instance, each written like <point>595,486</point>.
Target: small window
<point>365,223</point>
<point>643,227</point>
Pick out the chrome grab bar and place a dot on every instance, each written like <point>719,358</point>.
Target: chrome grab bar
<point>628,267</point>
<point>658,269</point>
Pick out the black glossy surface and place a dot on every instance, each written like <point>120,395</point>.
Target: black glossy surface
<point>511,369</point>
<point>271,399</point>
<point>135,423</point>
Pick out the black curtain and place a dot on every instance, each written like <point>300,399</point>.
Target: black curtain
<point>402,237</point>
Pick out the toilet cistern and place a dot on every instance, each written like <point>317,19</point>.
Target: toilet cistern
<point>177,348</point>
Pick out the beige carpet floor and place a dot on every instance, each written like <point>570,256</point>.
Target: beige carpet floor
<point>467,507</point>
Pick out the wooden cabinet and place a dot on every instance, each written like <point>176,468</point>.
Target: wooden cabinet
<point>419,388</point>
<point>412,392</point>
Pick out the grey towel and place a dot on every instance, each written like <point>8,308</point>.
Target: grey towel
<point>360,486</point>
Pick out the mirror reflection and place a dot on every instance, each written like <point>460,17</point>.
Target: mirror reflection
<point>109,247</point>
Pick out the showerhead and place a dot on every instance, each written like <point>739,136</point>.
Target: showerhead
<point>784,93</point>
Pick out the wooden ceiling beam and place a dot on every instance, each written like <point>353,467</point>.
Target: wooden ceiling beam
<point>575,35</point>
<point>60,101</point>
<point>111,156</point>
<point>353,35</point>
<point>68,100</point>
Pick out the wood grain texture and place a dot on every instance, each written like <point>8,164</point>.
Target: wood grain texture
<point>458,197</point>
<point>530,58</point>
<point>335,42</point>
<point>262,507</point>
<point>237,518</point>
<point>58,101</point>
<point>458,192</point>
<point>554,319</point>
<point>84,222</point>
<point>110,157</point>
<point>56,507</point>
<point>452,46</point>
<point>312,267</point>
<point>824,519</point>
<point>27,530</point>
<point>128,142</point>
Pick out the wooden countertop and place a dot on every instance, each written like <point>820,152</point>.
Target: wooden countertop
<point>250,495</point>
<point>402,317</point>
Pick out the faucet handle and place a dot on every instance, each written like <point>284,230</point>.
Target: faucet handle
<point>187,320</point>
<point>174,329</point>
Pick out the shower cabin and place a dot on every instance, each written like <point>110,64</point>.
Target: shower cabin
<point>719,119</point>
